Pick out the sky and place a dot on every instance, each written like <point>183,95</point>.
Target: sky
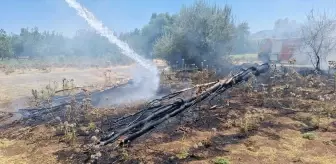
<point>125,15</point>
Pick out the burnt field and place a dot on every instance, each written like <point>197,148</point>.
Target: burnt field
<point>280,116</point>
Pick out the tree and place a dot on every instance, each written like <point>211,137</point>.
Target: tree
<point>5,45</point>
<point>142,40</point>
<point>199,33</point>
<point>136,41</point>
<point>318,37</point>
<point>241,42</point>
<point>17,46</point>
<point>158,24</point>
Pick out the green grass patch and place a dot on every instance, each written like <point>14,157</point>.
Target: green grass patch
<point>245,56</point>
<point>309,136</point>
<point>220,160</point>
<point>183,155</point>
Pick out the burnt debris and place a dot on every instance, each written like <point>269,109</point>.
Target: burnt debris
<point>132,126</point>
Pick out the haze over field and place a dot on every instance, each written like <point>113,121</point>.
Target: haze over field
<point>283,19</point>
<point>57,34</point>
<point>168,81</point>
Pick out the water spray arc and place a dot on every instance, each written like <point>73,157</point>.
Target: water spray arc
<point>104,31</point>
<point>147,80</point>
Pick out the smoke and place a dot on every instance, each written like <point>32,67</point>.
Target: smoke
<point>141,89</point>
<point>146,81</point>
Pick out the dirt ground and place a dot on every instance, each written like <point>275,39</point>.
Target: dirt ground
<point>289,125</point>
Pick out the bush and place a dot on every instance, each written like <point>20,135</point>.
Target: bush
<point>310,136</point>
<point>200,33</point>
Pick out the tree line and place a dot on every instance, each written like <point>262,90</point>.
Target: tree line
<point>37,44</point>
<point>199,32</point>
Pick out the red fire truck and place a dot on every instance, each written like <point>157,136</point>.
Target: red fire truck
<point>278,50</point>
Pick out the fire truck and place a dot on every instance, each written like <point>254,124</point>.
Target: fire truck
<point>278,50</point>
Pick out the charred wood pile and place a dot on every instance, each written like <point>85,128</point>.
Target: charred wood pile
<point>129,127</point>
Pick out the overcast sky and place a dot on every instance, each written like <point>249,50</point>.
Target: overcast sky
<point>125,15</point>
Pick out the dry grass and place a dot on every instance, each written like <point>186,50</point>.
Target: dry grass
<point>17,86</point>
<point>20,151</point>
